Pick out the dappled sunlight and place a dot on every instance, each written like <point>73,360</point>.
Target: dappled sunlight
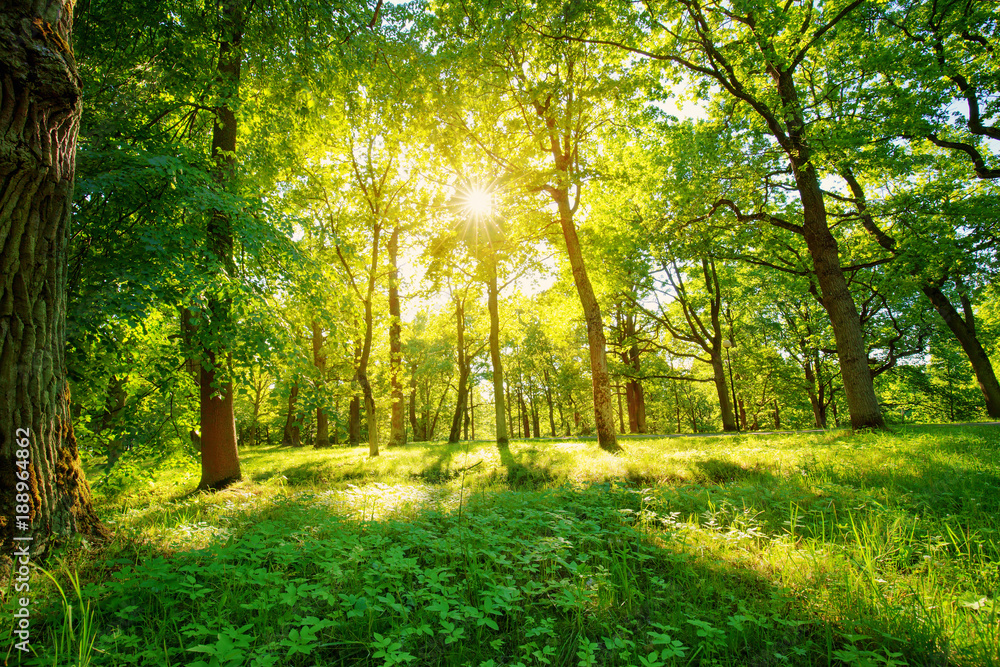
<point>731,547</point>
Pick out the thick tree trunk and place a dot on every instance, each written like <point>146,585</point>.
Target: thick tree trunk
<point>319,360</point>
<point>498,390</point>
<point>397,433</point>
<point>354,421</point>
<point>965,332</point>
<point>220,466</point>
<point>219,454</point>
<point>39,121</point>
<point>603,411</point>
<point>777,416</point>
<point>825,253</point>
<point>291,437</point>
<point>463,375</point>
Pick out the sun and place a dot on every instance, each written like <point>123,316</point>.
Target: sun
<point>477,202</point>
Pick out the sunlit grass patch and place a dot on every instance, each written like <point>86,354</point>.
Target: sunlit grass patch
<point>821,548</point>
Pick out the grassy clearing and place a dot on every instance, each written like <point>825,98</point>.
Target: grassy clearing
<point>873,549</point>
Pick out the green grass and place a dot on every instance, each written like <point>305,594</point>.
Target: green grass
<point>869,549</point>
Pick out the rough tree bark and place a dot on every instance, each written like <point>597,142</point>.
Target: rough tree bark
<point>852,353</point>
<point>563,145</point>
<point>39,121</point>
<point>220,462</point>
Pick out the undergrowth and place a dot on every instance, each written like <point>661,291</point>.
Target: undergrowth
<point>830,549</point>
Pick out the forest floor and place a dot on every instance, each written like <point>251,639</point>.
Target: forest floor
<point>804,549</point>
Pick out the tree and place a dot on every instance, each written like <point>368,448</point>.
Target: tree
<point>40,107</point>
<point>553,97</point>
<point>763,59</point>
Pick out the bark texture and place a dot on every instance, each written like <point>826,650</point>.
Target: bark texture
<point>39,121</point>
<point>604,418</point>
<point>825,254</point>
<point>220,461</point>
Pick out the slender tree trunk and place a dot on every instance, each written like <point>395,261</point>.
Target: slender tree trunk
<point>548,401</point>
<point>366,350</point>
<point>677,405</point>
<point>415,425</point>
<point>815,393</point>
<point>291,435</point>
<point>603,412</point>
<point>319,360</point>
<point>463,375</point>
<point>523,409</point>
<point>498,389</point>
<point>777,416</point>
<point>397,434</point>
<point>635,397</point>
<point>965,331</point>
<point>722,389</point>
<point>621,417</point>
<point>39,122</point>
<point>535,426</point>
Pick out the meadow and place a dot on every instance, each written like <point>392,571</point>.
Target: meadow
<point>824,548</point>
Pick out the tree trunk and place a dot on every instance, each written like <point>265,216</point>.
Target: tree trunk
<point>548,400</point>
<point>825,253</point>
<point>397,434</point>
<point>621,412</point>
<point>220,464</point>
<point>366,350</point>
<point>603,412</point>
<point>523,409</point>
<point>39,121</point>
<point>777,416</point>
<point>722,389</point>
<point>354,421</point>
<point>463,375</point>
<point>636,399</point>
<point>291,435</point>
<point>965,332</point>
<point>319,360</point>
<point>498,390</point>
<point>415,425</point>
<point>535,426</point>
